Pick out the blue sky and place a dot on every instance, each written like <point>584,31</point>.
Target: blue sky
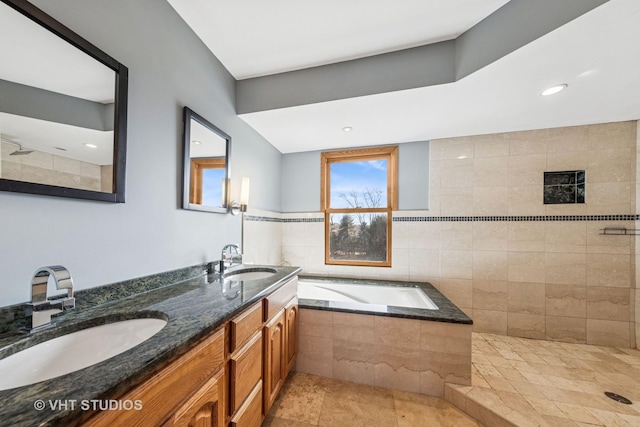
<point>212,187</point>
<point>348,176</point>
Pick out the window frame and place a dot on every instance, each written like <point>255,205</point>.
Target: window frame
<point>388,153</point>
<point>198,165</point>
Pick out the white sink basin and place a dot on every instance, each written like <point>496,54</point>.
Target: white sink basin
<point>256,274</point>
<point>72,352</point>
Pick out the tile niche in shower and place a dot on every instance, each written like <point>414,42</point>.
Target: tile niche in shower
<point>564,187</point>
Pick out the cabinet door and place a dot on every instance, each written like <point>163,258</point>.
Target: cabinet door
<point>205,408</point>
<point>275,358</point>
<point>167,389</point>
<point>291,316</point>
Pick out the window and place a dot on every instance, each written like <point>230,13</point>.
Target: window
<point>358,195</point>
<point>564,187</point>
<point>207,177</point>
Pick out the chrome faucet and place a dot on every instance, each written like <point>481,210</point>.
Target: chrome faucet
<point>229,261</point>
<point>40,310</point>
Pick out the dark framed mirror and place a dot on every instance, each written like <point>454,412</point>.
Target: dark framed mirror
<point>63,110</point>
<point>206,172</point>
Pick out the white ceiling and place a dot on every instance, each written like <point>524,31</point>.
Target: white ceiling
<point>32,57</point>
<point>45,136</point>
<point>255,37</point>
<point>206,143</point>
<point>596,54</point>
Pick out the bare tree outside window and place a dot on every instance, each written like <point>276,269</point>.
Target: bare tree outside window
<point>359,236</point>
<point>358,197</point>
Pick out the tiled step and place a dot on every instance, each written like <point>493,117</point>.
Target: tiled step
<point>488,408</point>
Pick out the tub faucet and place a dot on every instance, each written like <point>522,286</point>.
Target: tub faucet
<point>40,310</point>
<point>227,261</point>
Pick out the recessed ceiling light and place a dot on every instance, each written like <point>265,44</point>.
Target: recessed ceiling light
<point>195,141</point>
<point>555,89</point>
<point>588,73</point>
<point>347,128</point>
<point>90,145</point>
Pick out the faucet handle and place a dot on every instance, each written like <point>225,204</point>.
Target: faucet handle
<point>62,279</point>
<point>39,311</point>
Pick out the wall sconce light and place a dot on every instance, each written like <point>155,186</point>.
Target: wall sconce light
<point>236,207</point>
<point>224,200</point>
<point>244,194</point>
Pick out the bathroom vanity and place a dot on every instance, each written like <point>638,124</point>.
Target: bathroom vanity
<point>229,362</point>
<point>220,360</point>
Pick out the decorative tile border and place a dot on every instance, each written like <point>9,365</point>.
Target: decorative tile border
<point>271,219</point>
<point>515,218</point>
<point>508,218</point>
<point>303,220</point>
<point>261,218</point>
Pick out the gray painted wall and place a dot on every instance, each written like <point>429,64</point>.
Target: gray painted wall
<point>101,243</point>
<point>301,179</point>
<point>301,182</point>
<point>413,176</point>
<point>42,104</point>
<point>404,69</point>
<point>512,26</point>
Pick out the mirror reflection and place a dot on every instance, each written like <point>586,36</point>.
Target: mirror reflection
<point>62,112</point>
<point>206,174</point>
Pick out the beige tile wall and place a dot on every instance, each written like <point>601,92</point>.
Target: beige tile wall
<point>635,291</point>
<point>44,168</point>
<point>402,354</point>
<point>262,240</point>
<point>556,280</point>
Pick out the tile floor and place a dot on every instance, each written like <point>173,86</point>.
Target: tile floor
<point>515,382</point>
<point>310,400</point>
<point>525,382</point>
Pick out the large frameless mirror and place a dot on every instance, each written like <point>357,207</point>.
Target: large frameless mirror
<point>63,110</point>
<point>207,152</point>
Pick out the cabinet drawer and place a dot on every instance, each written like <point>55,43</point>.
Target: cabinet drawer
<point>242,327</point>
<point>246,371</point>
<point>161,394</point>
<point>278,299</point>
<point>250,413</point>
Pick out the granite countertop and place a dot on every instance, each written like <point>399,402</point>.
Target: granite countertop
<point>447,311</point>
<point>194,308</point>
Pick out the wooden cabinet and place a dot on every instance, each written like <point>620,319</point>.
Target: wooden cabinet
<point>205,408</point>
<point>245,367</point>
<point>250,413</point>
<point>291,331</point>
<point>279,298</point>
<point>230,378</point>
<point>194,374</point>
<point>275,358</point>
<point>244,326</point>
<point>280,339</point>
<point>245,371</point>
